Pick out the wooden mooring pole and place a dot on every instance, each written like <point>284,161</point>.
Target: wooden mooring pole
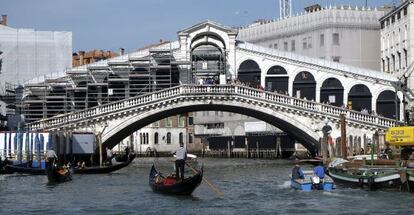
<point>343,136</point>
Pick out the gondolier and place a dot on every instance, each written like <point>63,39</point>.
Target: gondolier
<point>180,157</point>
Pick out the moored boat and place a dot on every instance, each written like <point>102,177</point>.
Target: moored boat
<point>168,185</point>
<point>312,182</point>
<point>370,178</point>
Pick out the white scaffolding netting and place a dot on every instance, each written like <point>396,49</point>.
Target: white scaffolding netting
<point>28,54</point>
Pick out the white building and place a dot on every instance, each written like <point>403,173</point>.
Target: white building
<point>342,34</point>
<point>28,53</point>
<point>397,41</point>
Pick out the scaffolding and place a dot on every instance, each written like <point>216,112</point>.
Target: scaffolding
<point>102,82</point>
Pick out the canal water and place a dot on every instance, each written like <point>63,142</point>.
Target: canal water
<point>250,187</point>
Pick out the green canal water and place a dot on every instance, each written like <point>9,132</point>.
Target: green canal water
<point>250,187</point>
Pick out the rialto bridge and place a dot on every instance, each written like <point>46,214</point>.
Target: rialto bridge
<point>296,93</point>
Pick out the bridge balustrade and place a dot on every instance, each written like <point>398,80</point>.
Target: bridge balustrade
<point>237,90</point>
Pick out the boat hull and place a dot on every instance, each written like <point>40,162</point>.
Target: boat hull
<point>185,187</point>
<point>374,182</point>
<point>307,185</point>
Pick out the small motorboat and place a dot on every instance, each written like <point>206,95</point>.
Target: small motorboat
<point>312,182</point>
<point>169,185</point>
<point>57,174</point>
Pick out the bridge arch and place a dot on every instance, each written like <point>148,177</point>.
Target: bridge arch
<point>360,97</point>
<point>332,92</point>
<point>277,79</point>
<point>385,104</point>
<point>304,86</point>
<point>249,71</point>
<point>307,136</point>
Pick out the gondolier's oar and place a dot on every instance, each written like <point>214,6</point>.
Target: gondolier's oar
<point>212,187</point>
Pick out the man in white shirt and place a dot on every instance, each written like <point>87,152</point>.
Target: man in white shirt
<point>180,157</point>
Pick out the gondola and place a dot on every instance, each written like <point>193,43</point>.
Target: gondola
<point>26,168</point>
<point>104,169</point>
<point>3,164</point>
<point>168,185</point>
<point>57,174</point>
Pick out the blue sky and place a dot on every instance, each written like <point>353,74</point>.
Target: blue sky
<point>111,24</point>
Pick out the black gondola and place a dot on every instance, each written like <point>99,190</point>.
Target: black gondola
<point>104,169</point>
<point>3,164</point>
<point>27,169</point>
<point>185,187</point>
<point>57,174</point>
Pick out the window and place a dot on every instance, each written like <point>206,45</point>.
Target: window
<point>392,19</point>
<point>322,40</point>
<point>336,59</point>
<point>190,138</point>
<point>399,15</point>
<point>393,62</point>
<point>140,139</point>
<point>155,138</point>
<point>190,120</point>
<point>181,121</point>
<point>275,46</point>
<point>335,38</point>
<point>405,11</point>
<point>293,45</point>
<point>169,138</point>
<point>399,59</point>
<point>181,138</point>
<point>382,24</point>
<point>305,44</point>
<point>146,139</point>
<point>309,42</point>
<point>388,64</point>
<point>285,46</point>
<point>168,122</point>
<point>405,57</point>
<point>383,65</point>
<point>270,46</point>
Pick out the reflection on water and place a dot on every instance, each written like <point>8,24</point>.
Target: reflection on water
<point>250,187</point>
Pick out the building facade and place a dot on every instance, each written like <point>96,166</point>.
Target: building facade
<point>27,53</point>
<point>397,42</point>
<point>163,136</point>
<point>341,34</point>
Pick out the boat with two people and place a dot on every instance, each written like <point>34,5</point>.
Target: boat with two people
<point>56,173</point>
<point>308,180</point>
<point>173,186</point>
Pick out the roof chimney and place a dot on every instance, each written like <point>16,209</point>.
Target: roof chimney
<point>81,57</point>
<point>3,20</point>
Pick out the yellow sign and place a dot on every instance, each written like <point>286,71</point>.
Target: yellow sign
<point>400,136</point>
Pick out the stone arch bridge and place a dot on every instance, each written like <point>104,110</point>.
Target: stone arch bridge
<point>300,118</point>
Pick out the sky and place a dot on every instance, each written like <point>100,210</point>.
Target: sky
<point>131,24</point>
